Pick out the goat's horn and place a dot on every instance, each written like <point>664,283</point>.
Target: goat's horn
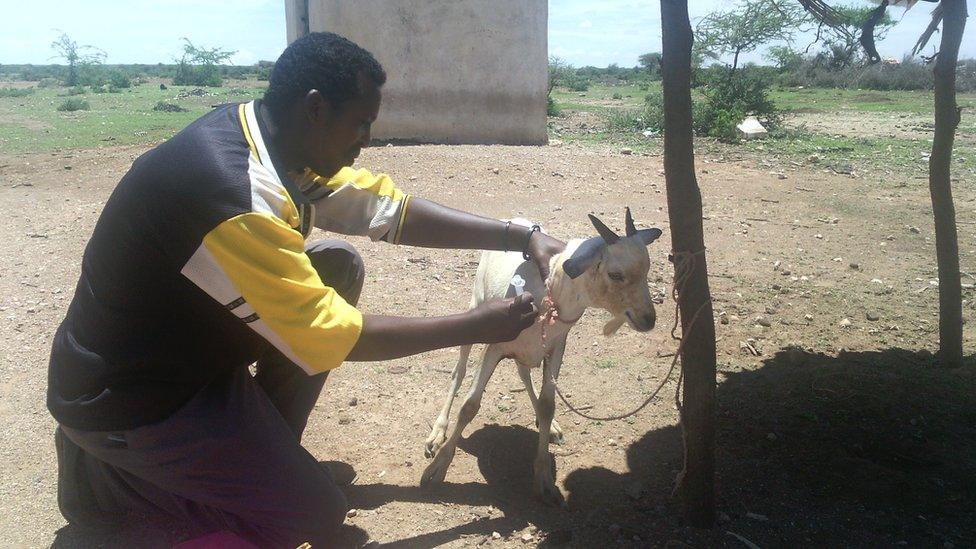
<point>631,229</point>
<point>608,235</point>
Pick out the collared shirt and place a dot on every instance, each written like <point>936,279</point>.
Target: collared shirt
<point>197,263</point>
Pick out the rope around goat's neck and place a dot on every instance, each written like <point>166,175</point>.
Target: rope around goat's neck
<point>684,264</point>
<point>551,316</point>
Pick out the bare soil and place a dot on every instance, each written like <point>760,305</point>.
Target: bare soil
<point>832,433</point>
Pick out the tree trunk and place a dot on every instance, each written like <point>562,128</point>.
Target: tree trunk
<point>940,187</point>
<point>696,482</point>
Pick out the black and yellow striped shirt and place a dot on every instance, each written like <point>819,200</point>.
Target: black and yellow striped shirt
<point>197,263</point>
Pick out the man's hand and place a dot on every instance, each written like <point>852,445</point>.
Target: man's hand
<point>504,319</point>
<point>541,249</point>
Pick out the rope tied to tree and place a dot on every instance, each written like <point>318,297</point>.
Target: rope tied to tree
<point>684,266</point>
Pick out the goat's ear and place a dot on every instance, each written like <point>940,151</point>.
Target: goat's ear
<point>606,233</point>
<point>629,222</point>
<point>584,257</point>
<point>648,235</point>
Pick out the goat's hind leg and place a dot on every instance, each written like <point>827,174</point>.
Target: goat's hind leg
<point>544,480</point>
<point>438,432</point>
<point>437,469</point>
<point>555,432</point>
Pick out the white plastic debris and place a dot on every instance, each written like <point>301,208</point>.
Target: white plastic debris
<point>750,128</point>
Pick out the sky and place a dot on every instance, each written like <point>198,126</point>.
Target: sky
<point>581,32</point>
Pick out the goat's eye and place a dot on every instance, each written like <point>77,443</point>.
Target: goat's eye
<point>619,277</point>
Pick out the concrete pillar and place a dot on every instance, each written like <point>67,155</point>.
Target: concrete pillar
<point>296,19</point>
<point>459,71</point>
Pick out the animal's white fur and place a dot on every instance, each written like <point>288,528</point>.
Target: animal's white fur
<point>629,302</point>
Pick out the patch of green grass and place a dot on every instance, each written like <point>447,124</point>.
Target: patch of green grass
<point>836,153</point>
<point>33,123</point>
<point>841,100</point>
<point>604,363</point>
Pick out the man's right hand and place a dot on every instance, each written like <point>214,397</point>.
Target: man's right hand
<point>504,319</point>
<point>386,337</point>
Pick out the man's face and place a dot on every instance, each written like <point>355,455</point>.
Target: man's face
<point>338,132</point>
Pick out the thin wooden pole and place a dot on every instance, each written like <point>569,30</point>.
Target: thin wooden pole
<point>940,187</point>
<point>696,484</point>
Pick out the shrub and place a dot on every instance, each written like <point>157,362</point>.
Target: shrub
<point>578,83</point>
<point>77,90</point>
<point>15,92</point>
<point>909,74</point>
<point>162,106</point>
<point>118,79</point>
<point>617,96</point>
<point>71,105</point>
<point>552,109</point>
<point>729,98</point>
<point>48,83</point>
<point>649,117</point>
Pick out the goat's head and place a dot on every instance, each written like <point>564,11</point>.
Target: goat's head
<point>614,271</point>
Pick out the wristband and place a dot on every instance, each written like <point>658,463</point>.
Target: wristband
<point>525,251</point>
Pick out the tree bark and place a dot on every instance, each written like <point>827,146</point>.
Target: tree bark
<point>940,186</point>
<point>696,482</point>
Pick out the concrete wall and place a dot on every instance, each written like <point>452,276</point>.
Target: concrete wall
<point>459,71</point>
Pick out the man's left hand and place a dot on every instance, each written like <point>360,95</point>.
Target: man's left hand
<point>541,249</point>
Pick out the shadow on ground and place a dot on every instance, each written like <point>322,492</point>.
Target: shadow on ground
<point>861,449</point>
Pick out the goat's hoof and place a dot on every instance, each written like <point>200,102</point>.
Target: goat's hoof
<point>550,494</point>
<point>555,434</point>
<point>434,443</point>
<point>434,473</point>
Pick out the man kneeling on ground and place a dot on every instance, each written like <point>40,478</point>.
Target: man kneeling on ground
<point>198,268</point>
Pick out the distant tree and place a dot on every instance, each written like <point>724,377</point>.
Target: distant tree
<point>651,63</point>
<point>746,27</point>
<point>77,57</point>
<point>854,19</point>
<point>559,72</point>
<point>784,58</point>
<point>200,66</point>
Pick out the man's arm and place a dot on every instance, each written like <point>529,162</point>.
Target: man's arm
<point>432,225</point>
<point>388,337</point>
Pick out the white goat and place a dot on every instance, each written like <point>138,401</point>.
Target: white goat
<point>607,271</point>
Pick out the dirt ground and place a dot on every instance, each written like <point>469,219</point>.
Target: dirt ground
<point>839,430</point>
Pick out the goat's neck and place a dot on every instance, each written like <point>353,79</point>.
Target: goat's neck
<point>569,296</point>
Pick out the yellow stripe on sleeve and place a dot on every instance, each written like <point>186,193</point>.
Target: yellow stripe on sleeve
<point>380,185</point>
<point>265,260</point>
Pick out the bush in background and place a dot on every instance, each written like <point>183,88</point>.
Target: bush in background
<point>74,104</point>
<point>552,109</point>
<point>729,98</point>
<point>648,118</point>
<point>163,106</point>
<point>15,92</point>
<point>118,79</point>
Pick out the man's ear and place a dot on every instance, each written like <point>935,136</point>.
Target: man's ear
<point>318,109</point>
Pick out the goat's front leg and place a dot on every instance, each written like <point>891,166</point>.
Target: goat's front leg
<point>437,469</point>
<point>545,475</point>
<point>555,432</point>
<point>438,432</point>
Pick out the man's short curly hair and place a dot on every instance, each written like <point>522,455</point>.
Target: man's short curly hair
<point>321,61</point>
